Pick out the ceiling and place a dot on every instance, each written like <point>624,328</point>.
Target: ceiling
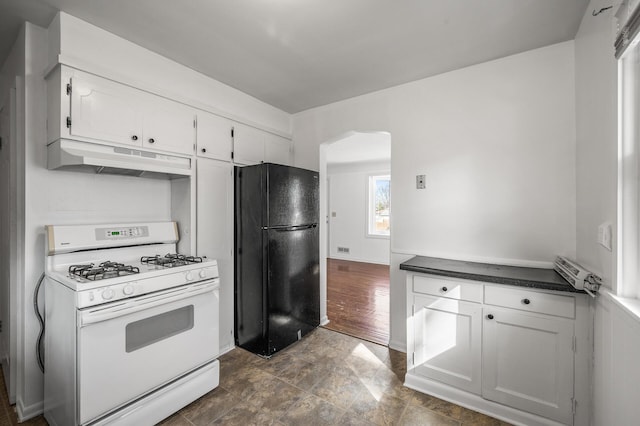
<point>359,147</point>
<point>299,54</point>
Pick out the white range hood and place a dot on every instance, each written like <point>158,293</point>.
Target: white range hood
<point>94,157</point>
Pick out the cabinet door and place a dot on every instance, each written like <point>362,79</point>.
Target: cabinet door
<point>528,362</point>
<point>214,232</point>
<point>277,149</point>
<point>214,137</point>
<point>447,341</point>
<point>105,111</point>
<point>248,145</point>
<point>168,126</point>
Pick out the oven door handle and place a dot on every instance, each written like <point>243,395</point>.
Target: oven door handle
<point>141,303</point>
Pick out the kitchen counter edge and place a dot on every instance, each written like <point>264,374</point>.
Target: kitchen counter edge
<point>540,278</point>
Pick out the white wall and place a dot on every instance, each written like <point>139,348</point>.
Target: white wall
<point>497,144</point>
<point>616,370</point>
<point>348,198</point>
<point>596,140</point>
<point>12,80</point>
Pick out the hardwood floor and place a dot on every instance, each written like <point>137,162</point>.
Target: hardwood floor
<point>358,299</point>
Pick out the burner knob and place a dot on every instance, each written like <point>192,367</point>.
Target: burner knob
<point>107,294</point>
<point>127,290</point>
<point>189,276</point>
<point>203,274</point>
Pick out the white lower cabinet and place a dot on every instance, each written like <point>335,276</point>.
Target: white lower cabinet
<point>527,362</point>
<point>507,351</point>
<point>448,337</point>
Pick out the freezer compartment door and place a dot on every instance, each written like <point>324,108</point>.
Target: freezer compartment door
<point>293,284</point>
<point>292,196</point>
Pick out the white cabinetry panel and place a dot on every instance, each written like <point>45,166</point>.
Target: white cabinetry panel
<point>513,353</point>
<point>215,233</point>
<point>277,149</point>
<point>528,362</point>
<point>106,111</point>
<point>168,126</point>
<point>214,136</point>
<point>248,145</point>
<point>103,110</point>
<point>532,301</point>
<point>254,146</point>
<point>447,336</point>
<point>448,287</point>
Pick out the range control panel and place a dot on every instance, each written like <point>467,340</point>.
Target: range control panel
<point>120,233</point>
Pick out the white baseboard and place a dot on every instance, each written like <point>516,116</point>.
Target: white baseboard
<point>475,402</point>
<point>398,346</point>
<point>226,349</point>
<point>25,412</point>
<point>357,259</point>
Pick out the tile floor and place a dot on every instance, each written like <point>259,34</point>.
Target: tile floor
<point>327,378</point>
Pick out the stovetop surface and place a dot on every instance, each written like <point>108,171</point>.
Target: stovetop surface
<point>102,273</point>
<point>109,269</point>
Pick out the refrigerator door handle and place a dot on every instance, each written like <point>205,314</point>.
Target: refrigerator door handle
<point>285,228</point>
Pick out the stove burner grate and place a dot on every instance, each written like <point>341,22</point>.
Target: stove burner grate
<point>170,260</point>
<point>104,270</point>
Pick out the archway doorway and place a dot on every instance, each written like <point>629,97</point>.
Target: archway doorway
<point>355,202</point>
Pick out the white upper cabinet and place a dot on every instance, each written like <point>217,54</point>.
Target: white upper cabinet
<point>97,109</point>
<point>104,111</point>
<point>214,136</point>
<point>84,106</point>
<point>168,126</point>
<point>277,149</point>
<point>253,146</point>
<point>248,145</point>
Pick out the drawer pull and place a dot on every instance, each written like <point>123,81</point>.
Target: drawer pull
<point>526,301</point>
<point>490,316</point>
<point>444,289</point>
<point>134,137</point>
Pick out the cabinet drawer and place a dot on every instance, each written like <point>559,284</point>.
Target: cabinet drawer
<point>532,301</point>
<point>448,287</point>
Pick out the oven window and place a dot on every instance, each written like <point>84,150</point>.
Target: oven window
<point>159,327</point>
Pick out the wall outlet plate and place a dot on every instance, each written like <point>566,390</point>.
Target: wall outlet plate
<point>421,182</point>
<point>605,235</point>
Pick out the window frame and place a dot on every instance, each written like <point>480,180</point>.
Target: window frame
<point>370,210</point>
<point>627,283</point>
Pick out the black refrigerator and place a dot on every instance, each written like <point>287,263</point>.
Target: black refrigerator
<point>277,285</point>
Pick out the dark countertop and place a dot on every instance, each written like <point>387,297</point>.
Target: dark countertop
<point>546,279</point>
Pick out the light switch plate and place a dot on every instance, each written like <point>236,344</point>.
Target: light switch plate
<point>604,235</point>
<point>421,182</point>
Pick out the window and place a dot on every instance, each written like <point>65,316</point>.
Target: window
<point>379,205</point>
<point>628,53</point>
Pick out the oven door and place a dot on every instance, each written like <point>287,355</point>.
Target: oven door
<point>129,348</point>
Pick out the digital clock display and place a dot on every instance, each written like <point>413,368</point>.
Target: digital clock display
<point>115,232</point>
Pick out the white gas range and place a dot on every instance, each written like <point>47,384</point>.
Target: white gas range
<point>131,326</point>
